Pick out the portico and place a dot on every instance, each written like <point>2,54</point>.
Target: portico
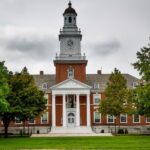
<point>71,90</point>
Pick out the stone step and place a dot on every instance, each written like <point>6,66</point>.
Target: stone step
<point>70,134</point>
<point>70,130</point>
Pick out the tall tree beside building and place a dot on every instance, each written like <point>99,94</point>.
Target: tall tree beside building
<point>143,91</point>
<point>25,99</point>
<point>4,88</point>
<point>118,98</point>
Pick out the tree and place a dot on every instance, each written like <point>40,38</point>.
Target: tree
<point>4,87</point>
<point>118,100</point>
<point>143,91</point>
<point>25,99</point>
<point>143,63</point>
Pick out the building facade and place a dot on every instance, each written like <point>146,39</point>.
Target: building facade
<point>73,96</point>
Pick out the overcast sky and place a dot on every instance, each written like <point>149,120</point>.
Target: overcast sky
<point>113,31</point>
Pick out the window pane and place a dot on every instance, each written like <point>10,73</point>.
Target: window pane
<point>31,120</point>
<point>96,98</point>
<point>17,120</point>
<point>136,118</point>
<point>148,119</point>
<point>123,118</point>
<point>97,117</point>
<point>110,119</point>
<point>44,118</point>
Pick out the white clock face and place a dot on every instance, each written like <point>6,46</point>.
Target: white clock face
<point>70,43</point>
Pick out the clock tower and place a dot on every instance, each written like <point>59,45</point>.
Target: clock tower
<point>70,56</point>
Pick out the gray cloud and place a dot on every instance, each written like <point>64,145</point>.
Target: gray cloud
<point>106,48</point>
<point>29,46</point>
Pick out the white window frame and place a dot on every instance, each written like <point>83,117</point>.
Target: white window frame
<point>96,85</point>
<point>33,122</point>
<point>125,116</point>
<point>44,85</point>
<point>133,116</point>
<point>70,72</point>
<point>113,119</point>
<point>17,122</point>
<point>47,118</point>
<point>99,117</point>
<point>147,119</point>
<point>95,96</point>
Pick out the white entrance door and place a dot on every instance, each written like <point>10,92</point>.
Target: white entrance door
<point>71,119</point>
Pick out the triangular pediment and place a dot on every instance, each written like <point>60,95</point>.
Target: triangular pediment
<point>71,84</point>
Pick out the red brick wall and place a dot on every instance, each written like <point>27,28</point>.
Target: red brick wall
<point>79,72</point>
<point>83,117</point>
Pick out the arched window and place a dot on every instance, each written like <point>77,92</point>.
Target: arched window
<point>70,72</point>
<point>70,19</point>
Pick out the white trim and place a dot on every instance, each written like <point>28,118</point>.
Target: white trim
<point>44,86</point>
<point>125,116</point>
<point>33,122</point>
<point>99,117</point>
<point>113,119</point>
<point>16,122</point>
<point>147,120</point>
<point>133,119</point>
<point>96,95</point>
<point>47,117</point>
<point>83,85</point>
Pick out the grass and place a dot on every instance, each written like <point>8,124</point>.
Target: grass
<point>77,143</point>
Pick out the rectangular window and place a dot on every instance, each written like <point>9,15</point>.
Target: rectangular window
<point>96,85</point>
<point>148,120</point>
<point>31,120</point>
<point>123,118</point>
<point>44,118</point>
<point>17,120</point>
<point>97,117</point>
<point>110,119</point>
<point>136,118</point>
<point>44,86</point>
<point>96,98</point>
<point>46,97</point>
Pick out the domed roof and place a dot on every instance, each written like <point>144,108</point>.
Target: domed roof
<point>70,10</point>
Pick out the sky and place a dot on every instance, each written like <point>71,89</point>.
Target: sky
<point>113,31</point>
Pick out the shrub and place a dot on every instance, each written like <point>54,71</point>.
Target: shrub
<point>102,131</point>
<point>120,131</point>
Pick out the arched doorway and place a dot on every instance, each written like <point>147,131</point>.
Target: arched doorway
<point>71,119</point>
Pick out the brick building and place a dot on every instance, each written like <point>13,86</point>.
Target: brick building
<point>73,95</point>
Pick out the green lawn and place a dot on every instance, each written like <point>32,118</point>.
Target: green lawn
<point>100,143</point>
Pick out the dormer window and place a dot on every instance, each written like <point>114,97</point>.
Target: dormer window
<point>44,86</point>
<point>96,85</point>
<point>70,72</point>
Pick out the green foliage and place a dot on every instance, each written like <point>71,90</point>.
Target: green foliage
<point>143,63</point>
<point>4,88</point>
<point>116,95</point>
<point>143,91</point>
<point>25,99</point>
<point>143,100</point>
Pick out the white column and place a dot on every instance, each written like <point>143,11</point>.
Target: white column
<point>88,110</point>
<point>64,110</point>
<point>77,110</point>
<point>53,111</point>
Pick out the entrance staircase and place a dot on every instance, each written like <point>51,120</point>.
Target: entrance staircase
<point>71,130</point>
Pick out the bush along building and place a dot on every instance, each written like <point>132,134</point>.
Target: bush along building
<point>73,96</point>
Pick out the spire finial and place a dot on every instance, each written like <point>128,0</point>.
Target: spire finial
<point>69,4</point>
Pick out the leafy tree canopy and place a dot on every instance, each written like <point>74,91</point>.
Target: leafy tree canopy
<point>143,63</point>
<point>116,101</point>
<point>4,88</point>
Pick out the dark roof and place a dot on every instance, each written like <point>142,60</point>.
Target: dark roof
<point>70,10</point>
<point>90,80</point>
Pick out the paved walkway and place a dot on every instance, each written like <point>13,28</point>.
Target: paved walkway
<point>70,134</point>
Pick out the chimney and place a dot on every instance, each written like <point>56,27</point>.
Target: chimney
<point>99,71</point>
<point>41,72</point>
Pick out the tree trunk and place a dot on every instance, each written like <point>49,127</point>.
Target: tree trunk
<point>6,122</point>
